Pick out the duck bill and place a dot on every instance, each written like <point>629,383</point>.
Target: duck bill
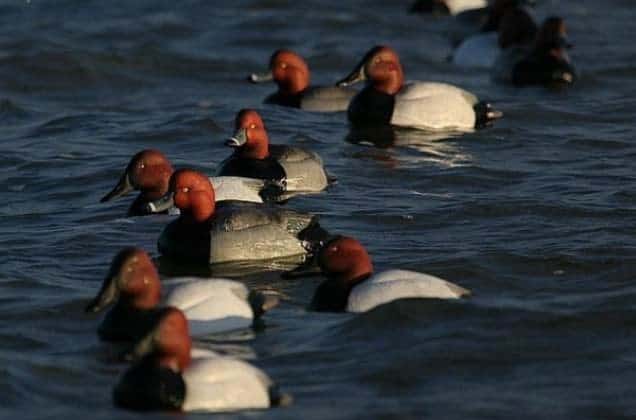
<point>107,295</point>
<point>238,139</point>
<point>123,187</point>
<point>261,77</point>
<point>161,205</point>
<point>357,75</point>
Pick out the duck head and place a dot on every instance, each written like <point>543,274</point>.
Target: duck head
<point>346,263</point>
<point>168,342</point>
<point>132,280</point>
<point>250,138</point>
<point>381,67</point>
<point>192,193</point>
<point>552,42</point>
<point>288,70</point>
<point>553,36</point>
<point>148,172</point>
<point>345,259</point>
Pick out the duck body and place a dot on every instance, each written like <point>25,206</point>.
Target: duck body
<point>544,63</point>
<point>386,99</point>
<point>540,69</point>
<point>235,188</point>
<point>385,287</point>
<point>503,68</point>
<point>426,105</point>
<point>434,106</point>
<point>351,285</point>
<point>228,188</point>
<point>238,232</point>
<point>447,7</point>
<point>396,284</point>
<point>210,305</point>
<point>149,171</point>
<point>315,99</point>
<point>293,169</point>
<point>208,384</point>
<point>225,384</point>
<point>170,376</point>
<point>213,305</point>
<point>511,24</point>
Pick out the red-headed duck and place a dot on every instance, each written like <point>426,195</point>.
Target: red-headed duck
<point>211,305</point>
<point>232,231</point>
<point>351,285</point>
<point>296,170</point>
<point>426,105</point>
<point>167,376</point>
<point>291,74</point>
<point>149,172</point>
<point>510,24</point>
<point>548,62</point>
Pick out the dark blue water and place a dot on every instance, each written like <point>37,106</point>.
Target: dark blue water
<point>537,216</point>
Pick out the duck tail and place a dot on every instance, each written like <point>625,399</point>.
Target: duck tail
<point>331,180</point>
<point>262,301</point>
<point>278,398</point>
<point>485,114</point>
<point>313,236</point>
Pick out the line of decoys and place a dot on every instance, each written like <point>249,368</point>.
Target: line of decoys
<point>238,216</point>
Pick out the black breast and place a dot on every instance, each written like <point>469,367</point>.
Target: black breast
<point>330,296</point>
<point>139,207</point>
<point>371,107</point>
<point>267,169</point>
<point>147,386</point>
<point>543,69</point>
<point>186,241</point>
<point>123,323</point>
<point>278,98</point>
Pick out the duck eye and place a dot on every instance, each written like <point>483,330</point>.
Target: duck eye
<point>141,165</point>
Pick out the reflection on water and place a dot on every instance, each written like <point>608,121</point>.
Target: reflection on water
<point>431,146</point>
<point>232,343</point>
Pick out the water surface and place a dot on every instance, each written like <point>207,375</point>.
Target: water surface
<point>536,215</point>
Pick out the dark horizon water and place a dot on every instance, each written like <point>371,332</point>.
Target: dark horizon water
<point>537,215</point>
